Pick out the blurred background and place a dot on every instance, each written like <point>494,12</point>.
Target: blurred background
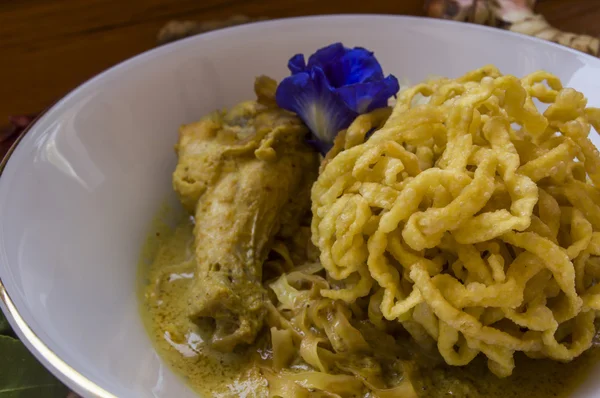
<point>49,47</point>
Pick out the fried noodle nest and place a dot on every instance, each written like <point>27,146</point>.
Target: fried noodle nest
<point>470,217</point>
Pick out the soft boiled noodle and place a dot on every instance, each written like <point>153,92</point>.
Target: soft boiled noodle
<point>472,219</point>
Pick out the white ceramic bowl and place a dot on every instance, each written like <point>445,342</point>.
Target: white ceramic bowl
<point>80,189</point>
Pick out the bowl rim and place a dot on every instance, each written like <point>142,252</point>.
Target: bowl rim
<point>63,371</point>
<point>58,367</point>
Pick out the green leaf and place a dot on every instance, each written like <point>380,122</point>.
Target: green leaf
<point>22,376</point>
<point>4,325</point>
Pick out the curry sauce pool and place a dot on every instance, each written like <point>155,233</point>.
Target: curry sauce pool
<point>177,339</point>
<point>210,373</point>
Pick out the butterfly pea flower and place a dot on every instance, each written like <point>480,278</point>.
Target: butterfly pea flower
<point>333,88</point>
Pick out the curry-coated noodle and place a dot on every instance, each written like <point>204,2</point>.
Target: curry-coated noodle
<point>472,219</point>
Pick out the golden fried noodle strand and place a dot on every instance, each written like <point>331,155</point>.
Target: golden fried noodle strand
<point>470,217</point>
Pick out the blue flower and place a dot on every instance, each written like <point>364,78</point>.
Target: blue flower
<point>333,88</point>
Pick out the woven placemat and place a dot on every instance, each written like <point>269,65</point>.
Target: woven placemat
<point>513,15</point>
<point>175,30</point>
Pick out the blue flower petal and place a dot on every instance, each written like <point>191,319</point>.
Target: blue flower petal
<point>330,115</point>
<point>326,56</point>
<point>310,95</point>
<point>292,90</point>
<point>365,97</point>
<point>330,90</point>
<point>296,64</point>
<point>355,66</point>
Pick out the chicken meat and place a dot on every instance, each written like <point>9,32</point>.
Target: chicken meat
<point>246,176</point>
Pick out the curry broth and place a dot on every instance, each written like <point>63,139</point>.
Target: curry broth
<point>179,342</point>
<point>176,338</point>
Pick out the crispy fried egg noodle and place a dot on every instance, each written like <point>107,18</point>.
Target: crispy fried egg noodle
<point>472,219</point>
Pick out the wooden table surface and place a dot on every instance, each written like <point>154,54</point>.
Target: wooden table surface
<point>49,47</point>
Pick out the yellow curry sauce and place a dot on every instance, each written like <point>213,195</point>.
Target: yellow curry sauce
<point>179,342</point>
<point>177,339</point>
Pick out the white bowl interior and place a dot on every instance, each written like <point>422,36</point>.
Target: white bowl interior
<point>81,188</point>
